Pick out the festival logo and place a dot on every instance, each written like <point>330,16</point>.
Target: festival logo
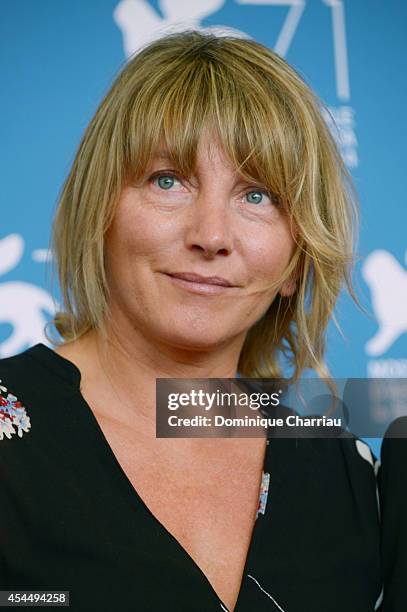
<point>140,23</point>
<point>387,281</point>
<point>22,305</point>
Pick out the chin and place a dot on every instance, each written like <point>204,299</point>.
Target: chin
<point>191,337</point>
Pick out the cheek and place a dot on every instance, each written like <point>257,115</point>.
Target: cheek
<point>269,253</point>
<point>136,233</point>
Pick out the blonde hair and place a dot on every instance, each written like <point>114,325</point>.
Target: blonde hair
<point>272,128</point>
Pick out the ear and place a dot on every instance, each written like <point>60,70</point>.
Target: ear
<point>290,285</point>
<point>288,288</point>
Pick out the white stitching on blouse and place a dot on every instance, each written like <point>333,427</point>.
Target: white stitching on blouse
<point>264,591</point>
<point>365,452</point>
<point>379,600</point>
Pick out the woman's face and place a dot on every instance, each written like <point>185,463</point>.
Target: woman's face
<point>212,224</point>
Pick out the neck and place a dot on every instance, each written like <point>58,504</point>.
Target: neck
<point>126,366</point>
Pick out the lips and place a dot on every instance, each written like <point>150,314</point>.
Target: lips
<point>198,278</point>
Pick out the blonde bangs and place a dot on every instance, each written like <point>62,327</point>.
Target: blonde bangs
<point>174,106</point>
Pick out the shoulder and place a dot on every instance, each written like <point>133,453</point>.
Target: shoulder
<point>31,385</point>
<point>330,447</point>
<point>17,376</point>
<point>393,471</point>
<point>16,368</point>
<point>352,456</point>
<point>395,439</point>
<point>330,444</point>
<point>359,452</point>
<point>341,467</point>
<point>393,500</point>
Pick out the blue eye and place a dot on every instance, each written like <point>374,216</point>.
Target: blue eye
<point>255,197</point>
<point>165,181</point>
<point>256,194</point>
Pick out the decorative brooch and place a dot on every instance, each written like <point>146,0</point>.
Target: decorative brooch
<point>264,491</point>
<point>12,415</point>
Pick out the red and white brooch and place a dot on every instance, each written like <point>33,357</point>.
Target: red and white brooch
<point>13,417</point>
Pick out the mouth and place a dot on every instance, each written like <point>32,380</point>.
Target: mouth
<point>198,278</point>
<point>204,285</point>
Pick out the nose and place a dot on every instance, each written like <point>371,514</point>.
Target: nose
<point>210,225</point>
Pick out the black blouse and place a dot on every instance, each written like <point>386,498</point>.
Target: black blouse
<point>71,520</point>
<point>392,480</point>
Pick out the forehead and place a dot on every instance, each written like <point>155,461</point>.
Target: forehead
<point>209,152</point>
<point>162,153</point>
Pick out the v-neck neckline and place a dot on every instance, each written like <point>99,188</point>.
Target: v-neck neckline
<point>71,374</point>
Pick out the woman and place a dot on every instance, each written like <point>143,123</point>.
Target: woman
<point>206,228</point>
<point>393,509</point>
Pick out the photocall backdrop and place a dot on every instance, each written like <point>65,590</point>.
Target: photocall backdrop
<point>59,58</point>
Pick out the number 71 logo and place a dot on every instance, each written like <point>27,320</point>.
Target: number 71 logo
<point>290,26</point>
